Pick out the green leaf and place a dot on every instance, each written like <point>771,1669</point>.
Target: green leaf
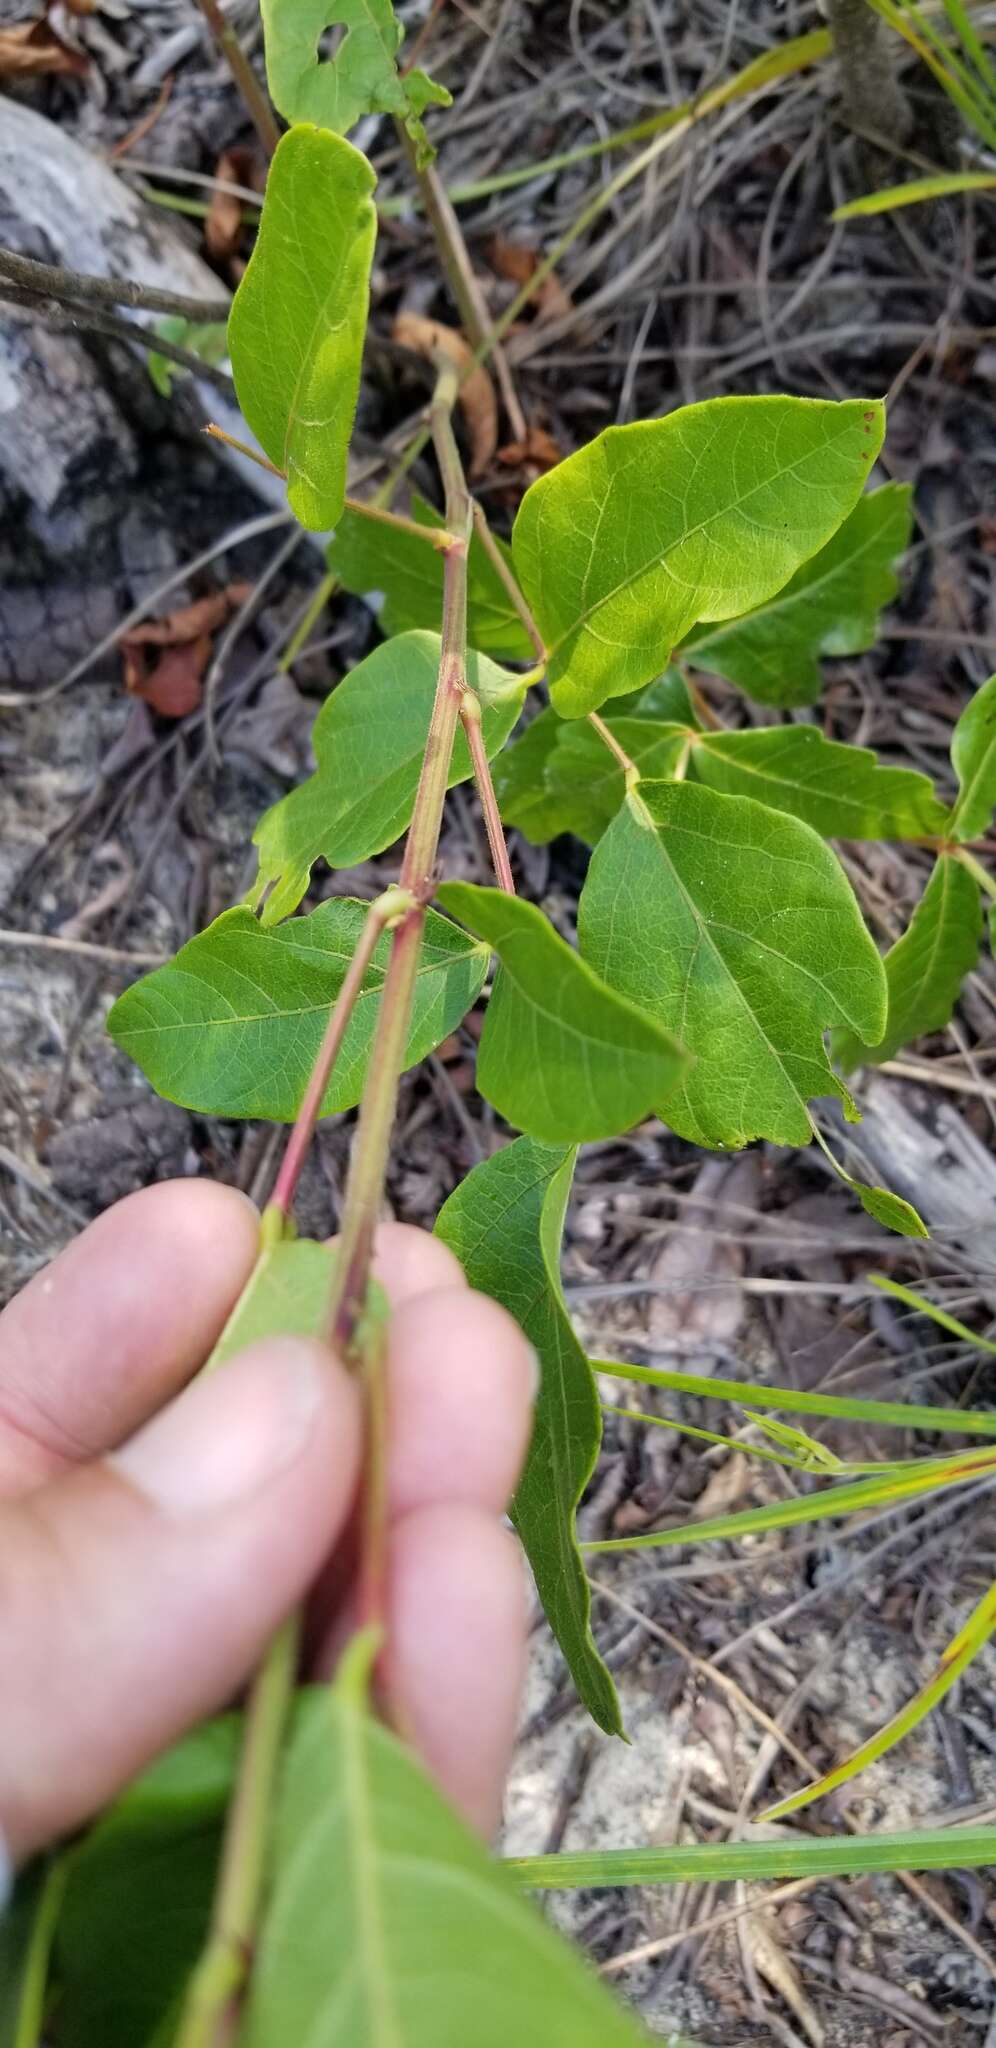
<point>295,331</point>
<point>889,1209</point>
<point>913,192</point>
<point>795,1855</point>
<point>589,781</point>
<point>666,700</point>
<point>738,929</point>
<point>524,797</point>
<point>628,544</point>
<point>973,752</point>
<point>925,969</point>
<point>945,1321</point>
<point>232,1025</point>
<point>205,338</point>
<point>844,792</point>
<point>139,1895</point>
<point>367,555</point>
<point>361,78</point>
<point>830,606</point>
<point>562,1056</point>
<point>505,1223</point>
<point>287,1294</point>
<point>369,739</point>
<point>388,1926</point>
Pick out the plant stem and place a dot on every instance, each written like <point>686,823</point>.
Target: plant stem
<point>256,103</point>
<point>509,582</point>
<point>459,272</point>
<point>30,2018</point>
<point>386,910</point>
<point>608,739</point>
<point>470,719</point>
<point>364,1188</point>
<point>224,1964</point>
<point>976,870</point>
<point>366,508</point>
<point>73,319</point>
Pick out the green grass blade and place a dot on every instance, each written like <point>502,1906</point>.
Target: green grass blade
<point>799,1856</point>
<point>933,1476</point>
<point>959,1653</point>
<point>937,1315</point>
<point>800,1453</point>
<point>787,1401</point>
<point>914,192</point>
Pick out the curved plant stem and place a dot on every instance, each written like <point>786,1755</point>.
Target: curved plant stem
<point>386,910</point>
<point>608,739</point>
<point>470,719</point>
<point>223,1967</point>
<point>34,1986</point>
<point>975,868</point>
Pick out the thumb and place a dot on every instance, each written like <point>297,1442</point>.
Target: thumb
<point>137,1594</point>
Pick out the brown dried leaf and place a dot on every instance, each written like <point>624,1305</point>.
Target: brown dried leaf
<point>431,339</point>
<point>772,1963</point>
<point>538,449</point>
<point>518,262</point>
<point>223,226</point>
<point>205,615</point>
<point>31,49</point>
<point>173,686</point>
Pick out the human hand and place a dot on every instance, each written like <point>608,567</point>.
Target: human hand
<point>147,1551</point>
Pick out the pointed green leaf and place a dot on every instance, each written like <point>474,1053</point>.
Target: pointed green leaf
<point>589,781</point>
<point>139,1893</point>
<point>295,331</point>
<point>925,969</point>
<point>973,751</point>
<point>361,78</point>
<point>831,606</point>
<point>369,739</point>
<point>890,1209</point>
<point>562,1056</point>
<point>627,545</point>
<point>367,555</point>
<point>232,1026</point>
<point>505,1224</point>
<point>533,794</point>
<point>844,792</point>
<point>388,1926</point>
<point>738,929</point>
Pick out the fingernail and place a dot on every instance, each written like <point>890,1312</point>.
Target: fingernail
<point>229,1435</point>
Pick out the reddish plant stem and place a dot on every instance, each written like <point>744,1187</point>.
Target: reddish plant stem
<point>364,1187</point>
<point>470,719</point>
<point>385,911</point>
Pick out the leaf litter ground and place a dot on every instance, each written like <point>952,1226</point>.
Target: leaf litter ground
<point>730,281</point>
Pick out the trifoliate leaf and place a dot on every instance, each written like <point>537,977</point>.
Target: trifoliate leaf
<point>505,1223</point>
<point>232,1025</point>
<point>361,78</point>
<point>295,331</point>
<point>973,752</point>
<point>369,739</point>
<point>561,1055</point>
<point>844,792</point>
<point>830,606</point>
<point>925,969</point>
<point>627,545</point>
<point>738,930</point>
